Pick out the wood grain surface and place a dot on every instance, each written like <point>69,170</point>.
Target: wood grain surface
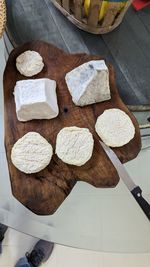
<point>44,192</point>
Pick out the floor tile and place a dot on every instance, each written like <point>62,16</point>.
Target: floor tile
<point>77,257</point>
<point>137,260</point>
<point>15,238</point>
<point>16,244</point>
<point>126,260</point>
<point>5,187</point>
<point>114,260</point>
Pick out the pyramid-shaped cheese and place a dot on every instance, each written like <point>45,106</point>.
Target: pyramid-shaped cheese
<point>36,99</point>
<point>89,83</point>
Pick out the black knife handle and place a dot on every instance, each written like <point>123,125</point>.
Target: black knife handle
<point>137,193</point>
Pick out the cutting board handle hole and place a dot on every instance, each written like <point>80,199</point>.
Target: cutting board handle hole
<point>65,110</point>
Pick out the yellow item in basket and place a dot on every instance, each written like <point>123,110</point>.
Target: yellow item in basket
<point>104,6</point>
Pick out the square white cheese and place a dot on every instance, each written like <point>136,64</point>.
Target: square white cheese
<point>89,83</point>
<point>36,99</point>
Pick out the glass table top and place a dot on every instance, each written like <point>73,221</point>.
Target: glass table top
<point>90,218</point>
<point>97,219</point>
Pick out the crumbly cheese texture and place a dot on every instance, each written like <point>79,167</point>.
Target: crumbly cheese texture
<point>29,63</point>
<point>31,153</point>
<point>74,145</point>
<point>89,83</point>
<point>36,99</point>
<point>115,128</point>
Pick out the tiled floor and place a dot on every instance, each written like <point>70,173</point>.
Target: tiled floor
<point>16,244</point>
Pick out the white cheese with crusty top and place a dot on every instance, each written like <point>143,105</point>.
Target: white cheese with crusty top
<point>74,145</point>
<point>89,83</point>
<point>31,153</point>
<point>115,127</point>
<point>29,63</point>
<point>36,99</point>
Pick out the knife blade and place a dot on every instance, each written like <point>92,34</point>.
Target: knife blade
<point>135,190</point>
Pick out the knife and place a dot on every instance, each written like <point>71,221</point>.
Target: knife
<point>123,174</point>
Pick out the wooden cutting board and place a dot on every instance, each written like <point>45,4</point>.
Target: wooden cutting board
<point>44,192</point>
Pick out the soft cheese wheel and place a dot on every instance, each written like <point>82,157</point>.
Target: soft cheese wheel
<point>115,128</point>
<point>31,153</point>
<point>74,145</point>
<point>29,63</point>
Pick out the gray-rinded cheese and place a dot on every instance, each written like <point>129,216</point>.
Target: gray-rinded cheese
<point>89,83</point>
<point>31,153</point>
<point>115,127</point>
<point>74,145</point>
<point>29,63</point>
<point>36,99</point>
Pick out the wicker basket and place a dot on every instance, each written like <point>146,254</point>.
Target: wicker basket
<point>74,10</point>
<point>2,16</point>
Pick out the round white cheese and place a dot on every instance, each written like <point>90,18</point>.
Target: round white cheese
<point>29,63</point>
<point>115,127</point>
<point>31,153</point>
<point>74,145</point>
